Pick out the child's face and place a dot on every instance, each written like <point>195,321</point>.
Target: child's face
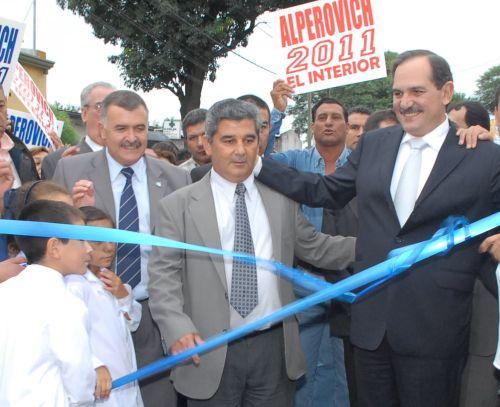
<point>103,253</point>
<point>75,255</point>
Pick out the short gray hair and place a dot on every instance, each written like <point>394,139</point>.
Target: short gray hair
<point>126,99</point>
<point>84,96</point>
<point>231,109</point>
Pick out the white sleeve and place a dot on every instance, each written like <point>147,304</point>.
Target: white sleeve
<point>132,308</point>
<point>70,344</point>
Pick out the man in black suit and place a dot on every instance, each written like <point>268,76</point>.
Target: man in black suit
<point>410,335</point>
<point>90,102</point>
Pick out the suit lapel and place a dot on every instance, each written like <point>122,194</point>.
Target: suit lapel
<point>84,147</point>
<point>157,187</point>
<point>99,173</point>
<point>448,158</point>
<point>274,214</point>
<point>202,209</point>
<point>389,148</point>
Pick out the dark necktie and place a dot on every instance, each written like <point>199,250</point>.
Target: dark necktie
<point>128,258</point>
<point>244,292</point>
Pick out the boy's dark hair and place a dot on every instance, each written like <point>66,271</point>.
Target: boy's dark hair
<point>257,101</point>
<point>44,211</point>
<point>33,190</point>
<point>374,120</point>
<point>475,113</point>
<point>93,214</point>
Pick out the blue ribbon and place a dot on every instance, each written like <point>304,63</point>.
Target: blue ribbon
<point>398,261</point>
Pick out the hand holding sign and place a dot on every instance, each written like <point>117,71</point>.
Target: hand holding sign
<point>280,94</point>
<point>83,193</point>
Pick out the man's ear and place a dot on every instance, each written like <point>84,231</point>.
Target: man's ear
<point>447,90</point>
<point>207,145</point>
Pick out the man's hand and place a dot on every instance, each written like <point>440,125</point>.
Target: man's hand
<point>471,135</point>
<point>83,193</point>
<point>11,268</point>
<point>103,383</point>
<point>56,141</point>
<point>491,245</point>
<point>70,151</point>
<point>113,283</point>
<point>280,94</point>
<point>186,342</point>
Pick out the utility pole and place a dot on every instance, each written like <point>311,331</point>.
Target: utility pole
<point>34,27</point>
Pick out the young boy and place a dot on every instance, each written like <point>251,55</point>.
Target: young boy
<point>112,311</point>
<point>45,356</point>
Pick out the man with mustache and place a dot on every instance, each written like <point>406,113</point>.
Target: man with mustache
<point>127,184</point>
<point>410,335</point>
<point>195,295</point>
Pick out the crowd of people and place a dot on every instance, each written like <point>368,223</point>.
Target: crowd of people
<point>76,315</point>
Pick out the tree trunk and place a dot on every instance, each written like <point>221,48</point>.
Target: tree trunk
<point>192,94</point>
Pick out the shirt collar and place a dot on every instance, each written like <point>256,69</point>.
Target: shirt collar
<point>319,161</point>
<point>115,168</point>
<point>434,138</point>
<point>91,277</point>
<point>229,188</point>
<point>92,144</point>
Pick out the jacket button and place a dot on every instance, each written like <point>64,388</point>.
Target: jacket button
<point>227,296</point>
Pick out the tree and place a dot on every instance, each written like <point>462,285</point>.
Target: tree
<point>69,135</point>
<point>487,85</point>
<point>173,44</point>
<point>375,95</point>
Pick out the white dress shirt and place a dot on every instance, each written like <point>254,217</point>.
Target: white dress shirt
<point>92,144</point>
<point>109,333</point>
<point>141,192</point>
<point>434,140</point>
<point>267,282</point>
<point>45,356</point>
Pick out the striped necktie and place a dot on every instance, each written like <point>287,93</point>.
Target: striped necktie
<point>128,257</point>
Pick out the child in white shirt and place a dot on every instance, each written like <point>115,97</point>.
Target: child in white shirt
<point>45,356</point>
<point>113,313</point>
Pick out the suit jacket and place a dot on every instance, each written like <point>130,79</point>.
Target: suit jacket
<point>425,311</point>
<point>22,160</point>
<point>49,163</point>
<point>199,172</point>
<point>163,179</point>
<point>188,291</point>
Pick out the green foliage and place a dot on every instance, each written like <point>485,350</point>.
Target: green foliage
<point>173,44</point>
<point>487,85</point>
<point>69,134</point>
<point>375,95</point>
<point>68,107</point>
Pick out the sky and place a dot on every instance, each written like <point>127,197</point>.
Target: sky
<point>465,34</point>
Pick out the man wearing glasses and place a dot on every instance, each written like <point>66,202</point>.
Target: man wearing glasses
<point>91,99</point>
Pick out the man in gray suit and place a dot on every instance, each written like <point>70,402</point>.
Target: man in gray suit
<point>128,185</point>
<point>195,296</point>
<point>90,102</point>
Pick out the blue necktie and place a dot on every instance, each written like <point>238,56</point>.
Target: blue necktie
<point>244,291</point>
<point>128,257</point>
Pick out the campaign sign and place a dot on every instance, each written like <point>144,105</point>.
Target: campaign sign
<point>328,43</point>
<point>11,37</point>
<point>28,93</point>
<point>25,127</point>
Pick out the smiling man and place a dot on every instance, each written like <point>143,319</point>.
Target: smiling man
<point>410,335</point>
<point>195,296</point>
<point>127,184</point>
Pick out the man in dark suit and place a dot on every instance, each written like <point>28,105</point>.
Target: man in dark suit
<point>410,335</point>
<point>90,101</point>
<point>128,185</point>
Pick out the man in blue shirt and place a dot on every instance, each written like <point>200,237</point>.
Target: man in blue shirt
<point>325,382</point>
